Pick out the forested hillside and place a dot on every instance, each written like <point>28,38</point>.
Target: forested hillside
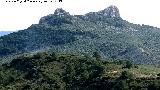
<point>52,71</point>
<point>103,31</point>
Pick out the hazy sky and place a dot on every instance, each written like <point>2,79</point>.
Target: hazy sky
<point>18,16</point>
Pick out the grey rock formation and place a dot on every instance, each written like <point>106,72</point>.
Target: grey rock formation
<point>61,12</point>
<point>60,16</point>
<point>112,12</point>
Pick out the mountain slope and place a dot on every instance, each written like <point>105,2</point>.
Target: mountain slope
<point>104,32</point>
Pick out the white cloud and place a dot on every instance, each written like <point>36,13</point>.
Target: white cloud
<point>16,16</point>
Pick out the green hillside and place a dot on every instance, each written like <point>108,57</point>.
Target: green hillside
<point>51,71</point>
<point>103,31</point>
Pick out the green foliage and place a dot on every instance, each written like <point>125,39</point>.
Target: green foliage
<point>97,55</point>
<point>158,75</point>
<point>48,70</point>
<point>128,64</point>
<point>111,37</point>
<point>126,75</point>
<point>121,85</point>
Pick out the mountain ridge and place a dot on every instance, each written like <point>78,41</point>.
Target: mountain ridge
<point>107,34</point>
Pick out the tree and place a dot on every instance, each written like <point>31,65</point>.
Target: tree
<point>126,75</point>
<point>40,55</point>
<point>121,85</point>
<point>52,57</point>
<point>128,65</point>
<point>158,75</point>
<point>97,55</point>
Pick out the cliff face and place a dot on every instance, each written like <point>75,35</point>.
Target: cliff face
<point>111,11</point>
<point>60,16</point>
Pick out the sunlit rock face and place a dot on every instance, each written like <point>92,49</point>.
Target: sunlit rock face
<point>60,16</point>
<point>111,11</point>
<point>61,12</point>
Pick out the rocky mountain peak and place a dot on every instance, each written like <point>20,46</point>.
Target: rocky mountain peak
<point>112,12</point>
<point>60,12</point>
<point>60,16</point>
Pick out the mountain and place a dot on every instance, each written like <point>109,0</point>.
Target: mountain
<point>104,32</point>
<point>4,32</point>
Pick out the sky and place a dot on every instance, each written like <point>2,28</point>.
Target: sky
<point>19,16</point>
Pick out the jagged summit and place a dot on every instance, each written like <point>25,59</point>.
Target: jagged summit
<point>60,16</point>
<point>109,12</point>
<point>112,12</point>
<point>60,12</point>
<point>110,15</point>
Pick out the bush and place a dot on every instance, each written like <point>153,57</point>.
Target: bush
<point>128,65</point>
<point>126,75</point>
<point>97,55</point>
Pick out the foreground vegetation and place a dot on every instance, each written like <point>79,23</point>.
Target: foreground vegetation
<point>50,71</point>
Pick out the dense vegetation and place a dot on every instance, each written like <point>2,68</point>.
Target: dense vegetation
<point>50,71</point>
<point>95,51</point>
<point>112,37</point>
